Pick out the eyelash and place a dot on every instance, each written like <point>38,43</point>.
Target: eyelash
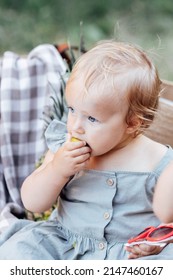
<point>71,109</point>
<point>91,119</point>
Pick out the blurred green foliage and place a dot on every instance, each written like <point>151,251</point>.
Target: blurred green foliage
<point>26,23</point>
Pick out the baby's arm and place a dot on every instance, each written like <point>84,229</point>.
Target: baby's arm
<point>41,189</point>
<point>163,196</point>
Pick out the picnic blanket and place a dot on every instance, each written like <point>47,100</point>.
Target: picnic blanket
<point>24,93</point>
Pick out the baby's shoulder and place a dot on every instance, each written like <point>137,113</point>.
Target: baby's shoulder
<point>156,153</point>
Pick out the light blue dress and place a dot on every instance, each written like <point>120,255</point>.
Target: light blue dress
<point>97,212</point>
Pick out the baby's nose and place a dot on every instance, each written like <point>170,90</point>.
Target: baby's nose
<point>78,127</point>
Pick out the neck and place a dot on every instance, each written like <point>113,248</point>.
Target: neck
<point>125,142</point>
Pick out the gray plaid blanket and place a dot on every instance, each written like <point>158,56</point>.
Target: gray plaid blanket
<point>24,93</point>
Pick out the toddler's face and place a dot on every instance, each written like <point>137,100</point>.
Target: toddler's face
<point>97,119</point>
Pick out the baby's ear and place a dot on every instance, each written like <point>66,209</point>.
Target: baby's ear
<point>133,124</point>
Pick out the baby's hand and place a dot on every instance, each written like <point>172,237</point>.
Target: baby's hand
<point>71,158</point>
<point>142,250</point>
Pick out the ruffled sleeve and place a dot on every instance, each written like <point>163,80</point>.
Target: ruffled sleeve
<point>55,135</point>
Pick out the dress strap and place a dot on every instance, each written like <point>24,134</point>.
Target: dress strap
<point>167,158</point>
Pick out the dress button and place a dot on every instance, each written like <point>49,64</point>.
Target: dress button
<point>110,182</point>
<point>106,215</point>
<point>101,245</point>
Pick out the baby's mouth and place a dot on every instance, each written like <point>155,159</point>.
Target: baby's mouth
<point>74,139</point>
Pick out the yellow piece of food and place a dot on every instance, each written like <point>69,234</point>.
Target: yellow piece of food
<point>74,139</point>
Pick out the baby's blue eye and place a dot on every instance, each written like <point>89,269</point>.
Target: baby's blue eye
<point>71,109</point>
<point>91,119</point>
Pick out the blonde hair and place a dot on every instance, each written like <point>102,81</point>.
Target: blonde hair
<point>128,71</point>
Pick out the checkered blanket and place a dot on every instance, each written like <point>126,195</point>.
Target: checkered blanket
<point>24,93</point>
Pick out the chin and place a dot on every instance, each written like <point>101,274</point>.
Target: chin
<point>96,154</point>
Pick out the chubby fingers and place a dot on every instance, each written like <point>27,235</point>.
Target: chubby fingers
<point>143,250</point>
<point>77,150</point>
<point>79,147</point>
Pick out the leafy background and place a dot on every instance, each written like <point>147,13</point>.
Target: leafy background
<point>25,24</point>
